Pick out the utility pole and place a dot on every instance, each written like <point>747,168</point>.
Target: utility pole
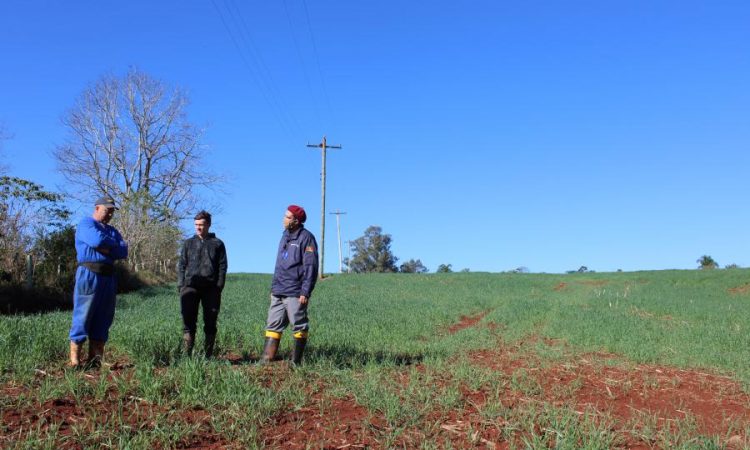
<point>338,231</point>
<point>349,253</point>
<point>323,146</point>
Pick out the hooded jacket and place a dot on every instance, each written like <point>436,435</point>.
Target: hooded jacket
<point>202,263</point>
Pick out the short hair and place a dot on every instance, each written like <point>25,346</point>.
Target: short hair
<point>204,215</point>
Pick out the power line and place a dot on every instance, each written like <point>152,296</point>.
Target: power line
<point>264,86</point>
<point>302,62</point>
<point>265,74</point>
<point>317,60</point>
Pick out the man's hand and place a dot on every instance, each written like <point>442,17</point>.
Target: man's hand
<point>302,300</point>
<point>102,250</point>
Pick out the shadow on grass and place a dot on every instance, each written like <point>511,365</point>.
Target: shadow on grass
<point>15,300</point>
<point>341,357</point>
<point>348,357</point>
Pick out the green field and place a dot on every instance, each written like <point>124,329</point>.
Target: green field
<point>404,361</point>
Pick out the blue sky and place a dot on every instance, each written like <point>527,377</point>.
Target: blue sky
<point>484,134</point>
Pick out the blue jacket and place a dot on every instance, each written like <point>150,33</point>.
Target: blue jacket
<point>91,234</point>
<point>296,264</point>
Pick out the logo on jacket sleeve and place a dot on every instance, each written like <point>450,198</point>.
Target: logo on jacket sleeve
<point>309,249</point>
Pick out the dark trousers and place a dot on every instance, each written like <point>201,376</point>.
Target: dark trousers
<point>190,298</point>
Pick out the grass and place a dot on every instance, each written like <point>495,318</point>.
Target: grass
<point>383,341</point>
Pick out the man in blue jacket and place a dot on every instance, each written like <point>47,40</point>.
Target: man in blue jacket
<point>293,282</point>
<point>98,245</point>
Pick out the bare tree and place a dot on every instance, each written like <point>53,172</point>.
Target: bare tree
<point>129,138</point>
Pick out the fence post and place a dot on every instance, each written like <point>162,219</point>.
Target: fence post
<point>29,272</point>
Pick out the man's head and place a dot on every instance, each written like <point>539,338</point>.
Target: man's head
<point>294,217</point>
<point>104,209</point>
<point>202,224</point>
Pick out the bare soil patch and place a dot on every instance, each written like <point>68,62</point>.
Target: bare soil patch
<point>327,423</point>
<point>466,322</point>
<point>632,396</point>
<point>70,420</point>
<point>738,290</point>
<point>561,286</point>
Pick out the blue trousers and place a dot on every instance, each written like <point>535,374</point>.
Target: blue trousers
<point>93,306</point>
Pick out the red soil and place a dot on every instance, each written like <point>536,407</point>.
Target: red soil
<point>743,289</point>
<point>327,424</point>
<point>466,322</point>
<point>600,386</point>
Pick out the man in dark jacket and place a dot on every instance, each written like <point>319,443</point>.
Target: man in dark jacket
<point>201,272</point>
<point>293,282</point>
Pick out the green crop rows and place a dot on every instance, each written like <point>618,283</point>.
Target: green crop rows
<point>366,332</point>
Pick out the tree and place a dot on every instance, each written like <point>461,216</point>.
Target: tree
<point>152,244</point>
<point>412,266</point>
<point>444,268</point>
<point>129,137</point>
<point>27,211</point>
<point>372,252</point>
<point>55,259</point>
<point>707,263</point>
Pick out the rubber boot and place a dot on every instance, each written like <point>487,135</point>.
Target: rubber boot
<point>96,354</point>
<point>299,349</point>
<point>75,354</point>
<point>208,346</point>
<point>188,342</point>
<point>269,350</point>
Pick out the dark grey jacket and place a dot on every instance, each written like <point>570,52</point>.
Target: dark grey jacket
<point>296,264</point>
<point>202,263</point>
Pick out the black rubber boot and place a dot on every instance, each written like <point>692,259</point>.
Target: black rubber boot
<point>188,342</point>
<point>96,354</point>
<point>299,349</point>
<point>269,350</point>
<point>208,346</point>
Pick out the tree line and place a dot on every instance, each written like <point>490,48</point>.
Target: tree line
<point>372,254</point>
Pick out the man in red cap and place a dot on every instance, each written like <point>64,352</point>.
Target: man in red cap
<point>293,282</point>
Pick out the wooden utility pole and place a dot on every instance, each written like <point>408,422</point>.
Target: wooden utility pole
<point>338,232</point>
<point>323,146</point>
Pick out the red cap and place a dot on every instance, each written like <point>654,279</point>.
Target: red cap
<point>298,212</point>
